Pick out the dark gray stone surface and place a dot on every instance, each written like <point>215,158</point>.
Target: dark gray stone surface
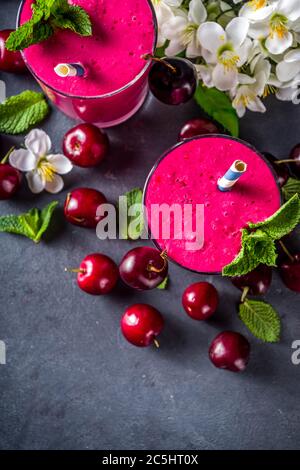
<point>72,382</point>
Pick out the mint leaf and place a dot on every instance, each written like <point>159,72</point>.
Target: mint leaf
<point>283,221</point>
<point>47,16</point>
<point>291,187</point>
<point>218,105</point>
<point>261,319</point>
<point>242,264</point>
<point>132,226</point>
<point>31,224</point>
<point>164,284</point>
<point>76,19</point>
<point>19,113</point>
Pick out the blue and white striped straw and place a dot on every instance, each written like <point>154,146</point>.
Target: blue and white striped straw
<point>69,70</point>
<point>234,173</point>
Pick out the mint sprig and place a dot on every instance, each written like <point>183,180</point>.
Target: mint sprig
<point>20,112</point>
<point>31,224</point>
<point>218,105</point>
<point>258,240</point>
<point>261,319</point>
<point>47,17</point>
<point>132,226</point>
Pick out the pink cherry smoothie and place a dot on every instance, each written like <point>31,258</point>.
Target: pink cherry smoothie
<point>122,32</point>
<point>188,174</point>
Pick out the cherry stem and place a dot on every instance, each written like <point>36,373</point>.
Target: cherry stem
<point>5,158</point>
<point>153,269</point>
<point>158,59</point>
<point>75,270</point>
<point>156,343</point>
<point>289,160</point>
<point>244,294</point>
<point>289,255</point>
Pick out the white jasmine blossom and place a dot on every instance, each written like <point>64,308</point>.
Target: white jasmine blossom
<point>42,169</point>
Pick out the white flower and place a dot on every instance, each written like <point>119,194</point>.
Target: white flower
<point>227,49</point>
<point>181,30</point>
<point>287,69</point>
<point>251,89</point>
<point>42,170</point>
<point>289,91</point>
<point>273,20</point>
<point>164,12</point>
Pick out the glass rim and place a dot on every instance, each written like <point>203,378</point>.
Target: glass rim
<point>179,144</point>
<point>105,95</point>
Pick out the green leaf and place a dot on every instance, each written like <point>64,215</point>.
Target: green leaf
<point>164,284</point>
<point>19,113</point>
<point>261,319</point>
<point>291,187</point>
<point>132,226</point>
<point>218,105</point>
<point>75,19</point>
<point>283,221</point>
<point>48,15</point>
<point>31,224</point>
<point>242,264</point>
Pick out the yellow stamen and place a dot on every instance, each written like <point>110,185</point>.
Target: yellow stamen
<point>269,90</point>
<point>257,4</point>
<point>245,100</point>
<point>46,170</point>
<point>229,59</point>
<point>278,26</point>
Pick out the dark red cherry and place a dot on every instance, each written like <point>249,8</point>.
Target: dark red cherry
<point>144,268</point>
<point>81,207</point>
<point>230,350</point>
<point>174,84</point>
<point>258,281</point>
<point>10,181</point>
<point>197,126</point>
<point>200,300</point>
<point>10,61</point>
<point>290,272</point>
<point>281,170</point>
<point>295,155</point>
<point>85,145</point>
<point>141,324</point>
<point>97,274</point>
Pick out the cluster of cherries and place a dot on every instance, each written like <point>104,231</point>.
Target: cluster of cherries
<point>172,81</point>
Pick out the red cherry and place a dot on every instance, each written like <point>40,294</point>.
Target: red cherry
<point>97,274</point>
<point>143,268</point>
<point>197,126</point>
<point>295,155</point>
<point>10,61</point>
<point>230,350</point>
<point>10,180</point>
<point>290,272</point>
<point>258,281</point>
<point>81,207</point>
<point>200,300</point>
<point>141,324</point>
<point>85,145</point>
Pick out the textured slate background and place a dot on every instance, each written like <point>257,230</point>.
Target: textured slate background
<point>72,382</point>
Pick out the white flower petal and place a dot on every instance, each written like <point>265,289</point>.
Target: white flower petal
<point>243,52</point>
<point>2,91</point>
<point>290,8</point>
<point>278,45</point>
<point>256,14</point>
<point>35,182</point>
<point>174,27</point>
<point>237,30</point>
<point>224,79</point>
<point>174,48</point>
<point>205,74</point>
<point>174,3</point>
<point>209,57</point>
<point>258,30</point>
<point>256,105</point>
<point>211,36</point>
<point>38,142</point>
<point>193,49</point>
<point>197,12</point>
<point>286,71</point>
<point>56,185</point>
<point>245,79</point>
<point>61,163</point>
<point>292,56</point>
<point>23,160</point>
<point>287,94</point>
